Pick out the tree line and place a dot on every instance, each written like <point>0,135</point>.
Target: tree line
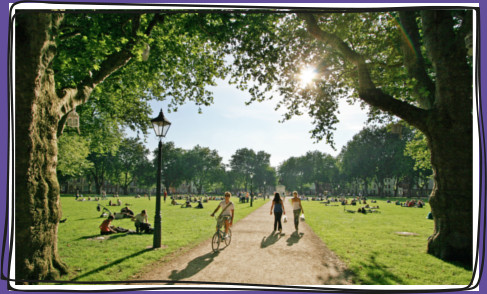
<point>372,156</point>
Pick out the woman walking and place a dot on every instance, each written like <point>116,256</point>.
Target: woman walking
<point>297,209</point>
<point>278,207</point>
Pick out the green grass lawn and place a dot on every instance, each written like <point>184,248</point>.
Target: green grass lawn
<point>121,256</point>
<point>375,253</point>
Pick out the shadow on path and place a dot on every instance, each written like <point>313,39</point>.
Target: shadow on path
<point>294,238</point>
<point>193,267</point>
<point>120,260</point>
<point>270,240</point>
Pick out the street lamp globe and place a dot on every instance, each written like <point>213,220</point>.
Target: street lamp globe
<point>161,125</point>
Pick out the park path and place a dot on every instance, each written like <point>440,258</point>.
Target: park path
<point>257,256</point>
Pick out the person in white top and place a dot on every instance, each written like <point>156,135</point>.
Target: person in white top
<point>297,209</point>
<point>227,213</point>
<point>141,221</point>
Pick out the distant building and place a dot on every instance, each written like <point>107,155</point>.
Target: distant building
<point>281,189</point>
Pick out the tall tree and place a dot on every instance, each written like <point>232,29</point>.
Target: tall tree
<point>72,158</point>
<point>204,165</point>
<point>60,60</point>
<point>396,63</point>
<point>173,165</point>
<point>129,156</point>
<point>242,164</point>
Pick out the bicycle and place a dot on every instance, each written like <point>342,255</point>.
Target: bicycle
<point>218,237</point>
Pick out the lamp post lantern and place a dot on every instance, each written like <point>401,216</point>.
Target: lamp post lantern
<point>161,126</point>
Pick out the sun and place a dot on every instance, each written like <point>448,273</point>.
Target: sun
<point>307,76</point>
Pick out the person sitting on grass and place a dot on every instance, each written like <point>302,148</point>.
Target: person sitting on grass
<point>141,222</point>
<point>420,204</point>
<point>200,205</point>
<point>106,228</point>
<point>186,205</point>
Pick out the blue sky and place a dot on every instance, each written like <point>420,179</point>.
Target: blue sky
<point>228,124</point>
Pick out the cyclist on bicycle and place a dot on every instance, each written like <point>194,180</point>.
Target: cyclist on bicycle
<point>227,212</point>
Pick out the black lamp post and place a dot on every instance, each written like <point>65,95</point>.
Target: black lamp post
<point>161,126</point>
<point>251,193</point>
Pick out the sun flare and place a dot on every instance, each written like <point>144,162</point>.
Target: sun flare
<point>307,76</point>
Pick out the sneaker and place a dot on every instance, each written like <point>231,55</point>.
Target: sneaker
<point>280,231</point>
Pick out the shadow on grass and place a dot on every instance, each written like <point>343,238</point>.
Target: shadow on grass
<point>343,277</point>
<point>105,237</point>
<point>377,274</point>
<point>193,267</point>
<point>467,267</point>
<point>90,237</point>
<point>118,261</point>
<point>294,238</point>
<point>269,240</point>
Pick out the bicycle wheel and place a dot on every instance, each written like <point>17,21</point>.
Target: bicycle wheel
<point>215,242</point>
<point>228,239</point>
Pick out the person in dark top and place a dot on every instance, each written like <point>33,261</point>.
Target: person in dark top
<point>278,208</point>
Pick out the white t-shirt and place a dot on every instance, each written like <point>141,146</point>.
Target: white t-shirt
<point>139,218</point>
<point>228,210</point>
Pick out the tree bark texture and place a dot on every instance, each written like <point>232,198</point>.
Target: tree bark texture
<point>449,132</point>
<point>37,207</point>
<point>451,200</point>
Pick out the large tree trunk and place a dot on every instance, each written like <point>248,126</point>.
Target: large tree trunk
<point>449,132</point>
<point>37,207</point>
<point>451,199</point>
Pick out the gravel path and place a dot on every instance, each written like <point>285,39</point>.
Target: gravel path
<point>257,256</point>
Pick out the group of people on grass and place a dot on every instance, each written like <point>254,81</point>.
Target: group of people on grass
<point>140,220</point>
<point>225,218</point>
<point>411,203</point>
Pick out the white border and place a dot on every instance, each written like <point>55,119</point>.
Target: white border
<point>154,6</point>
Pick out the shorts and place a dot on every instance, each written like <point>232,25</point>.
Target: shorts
<point>223,218</point>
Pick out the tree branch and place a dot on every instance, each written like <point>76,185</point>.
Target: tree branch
<point>414,61</point>
<point>367,90</point>
<point>72,97</point>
